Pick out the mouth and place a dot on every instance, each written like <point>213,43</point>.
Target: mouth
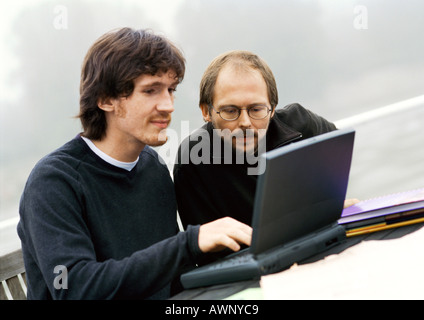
<point>160,123</point>
<point>249,138</point>
<point>246,137</point>
<point>244,143</point>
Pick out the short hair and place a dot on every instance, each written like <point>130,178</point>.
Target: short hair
<point>239,58</point>
<point>112,64</point>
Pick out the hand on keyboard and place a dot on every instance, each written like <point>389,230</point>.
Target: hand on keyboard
<point>224,233</point>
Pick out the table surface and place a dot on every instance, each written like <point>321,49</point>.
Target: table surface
<point>223,291</point>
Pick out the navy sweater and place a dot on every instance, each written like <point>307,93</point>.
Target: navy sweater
<point>112,232</point>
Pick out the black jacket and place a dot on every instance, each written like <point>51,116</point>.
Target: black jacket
<point>207,191</point>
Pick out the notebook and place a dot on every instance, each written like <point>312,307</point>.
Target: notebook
<point>384,212</point>
<point>298,200</point>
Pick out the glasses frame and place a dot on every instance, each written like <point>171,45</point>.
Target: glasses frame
<point>269,109</point>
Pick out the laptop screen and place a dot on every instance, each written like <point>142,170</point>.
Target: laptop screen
<point>302,189</point>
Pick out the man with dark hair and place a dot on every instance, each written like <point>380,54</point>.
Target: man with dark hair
<point>98,215</point>
<point>238,100</point>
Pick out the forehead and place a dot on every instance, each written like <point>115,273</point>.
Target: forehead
<point>241,85</point>
<point>165,78</point>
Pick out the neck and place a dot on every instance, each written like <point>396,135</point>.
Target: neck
<point>125,151</point>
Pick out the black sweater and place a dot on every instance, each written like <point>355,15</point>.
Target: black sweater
<point>113,230</point>
<point>206,191</point>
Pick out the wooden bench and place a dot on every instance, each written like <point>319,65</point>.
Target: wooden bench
<point>12,276</point>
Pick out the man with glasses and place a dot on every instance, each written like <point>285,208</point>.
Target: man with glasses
<point>238,100</point>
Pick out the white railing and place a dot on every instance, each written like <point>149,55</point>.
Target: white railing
<point>380,112</point>
<point>11,222</point>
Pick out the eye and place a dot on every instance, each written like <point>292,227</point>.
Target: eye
<point>229,110</point>
<point>149,91</point>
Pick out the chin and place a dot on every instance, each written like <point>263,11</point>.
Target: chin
<point>245,148</point>
<point>154,140</point>
<point>156,143</point>
<point>158,140</point>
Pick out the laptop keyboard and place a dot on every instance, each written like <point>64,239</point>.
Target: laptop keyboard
<point>233,260</point>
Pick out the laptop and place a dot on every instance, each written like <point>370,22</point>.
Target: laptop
<point>298,200</point>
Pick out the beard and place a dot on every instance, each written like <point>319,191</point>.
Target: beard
<point>247,141</point>
<point>158,136</point>
<point>157,139</point>
<point>244,140</point>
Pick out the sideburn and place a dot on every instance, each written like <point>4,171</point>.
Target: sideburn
<point>120,111</point>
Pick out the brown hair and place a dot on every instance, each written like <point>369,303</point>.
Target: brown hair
<point>241,59</point>
<point>112,64</point>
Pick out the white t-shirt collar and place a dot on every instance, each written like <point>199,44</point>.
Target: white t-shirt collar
<point>123,165</point>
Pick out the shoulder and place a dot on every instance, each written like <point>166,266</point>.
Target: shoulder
<point>303,120</point>
<point>67,158</point>
<point>196,137</point>
<point>57,171</point>
<point>293,113</point>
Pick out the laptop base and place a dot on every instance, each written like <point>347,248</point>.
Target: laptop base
<point>244,265</point>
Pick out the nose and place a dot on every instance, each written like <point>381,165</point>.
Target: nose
<point>166,103</point>
<point>244,119</point>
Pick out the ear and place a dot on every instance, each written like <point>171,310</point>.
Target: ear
<point>205,112</point>
<point>273,112</point>
<point>106,104</point>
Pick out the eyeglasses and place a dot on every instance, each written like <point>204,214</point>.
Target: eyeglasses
<point>231,113</point>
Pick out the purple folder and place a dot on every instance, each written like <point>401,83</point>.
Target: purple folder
<point>383,206</point>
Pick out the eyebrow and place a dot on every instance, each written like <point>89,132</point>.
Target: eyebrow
<point>159,84</point>
<point>248,106</point>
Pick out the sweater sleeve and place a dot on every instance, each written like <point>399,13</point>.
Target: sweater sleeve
<point>54,233</point>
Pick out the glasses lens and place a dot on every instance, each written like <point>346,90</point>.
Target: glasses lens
<point>258,112</point>
<point>232,113</point>
<point>229,113</point>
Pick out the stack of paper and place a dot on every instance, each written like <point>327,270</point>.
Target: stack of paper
<point>384,212</point>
